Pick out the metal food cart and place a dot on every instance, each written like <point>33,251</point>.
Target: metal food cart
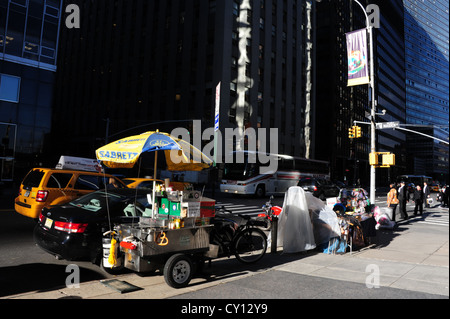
<point>160,239</point>
<point>153,244</point>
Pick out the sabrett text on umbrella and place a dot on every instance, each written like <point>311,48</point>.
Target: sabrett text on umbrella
<point>118,155</point>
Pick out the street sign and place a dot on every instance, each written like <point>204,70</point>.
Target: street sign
<point>387,125</point>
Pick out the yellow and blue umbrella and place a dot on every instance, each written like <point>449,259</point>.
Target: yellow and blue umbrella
<point>180,155</point>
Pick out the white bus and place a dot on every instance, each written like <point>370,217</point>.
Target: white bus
<point>245,178</point>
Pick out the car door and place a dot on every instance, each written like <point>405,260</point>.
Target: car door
<point>86,184</point>
<point>57,186</point>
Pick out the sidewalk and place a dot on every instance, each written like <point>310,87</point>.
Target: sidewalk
<point>417,262</point>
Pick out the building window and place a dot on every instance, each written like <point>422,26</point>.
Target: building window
<point>9,88</point>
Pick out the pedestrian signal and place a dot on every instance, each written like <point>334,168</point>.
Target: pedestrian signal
<point>382,159</point>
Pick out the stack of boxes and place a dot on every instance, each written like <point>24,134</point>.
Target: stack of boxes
<point>186,204</point>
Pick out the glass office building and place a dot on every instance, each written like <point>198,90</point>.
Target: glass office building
<point>426,26</point>
<point>29,31</point>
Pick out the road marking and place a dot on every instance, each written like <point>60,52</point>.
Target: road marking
<point>439,223</point>
<point>240,209</point>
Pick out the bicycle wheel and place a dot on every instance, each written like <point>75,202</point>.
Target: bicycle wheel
<point>250,245</point>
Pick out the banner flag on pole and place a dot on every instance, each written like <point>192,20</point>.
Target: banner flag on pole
<point>358,67</point>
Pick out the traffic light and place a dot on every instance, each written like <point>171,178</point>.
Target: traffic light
<point>358,131</point>
<point>351,132</point>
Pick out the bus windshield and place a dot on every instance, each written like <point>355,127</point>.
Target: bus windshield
<point>240,171</point>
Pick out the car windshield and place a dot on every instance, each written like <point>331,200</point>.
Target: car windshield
<point>97,200</point>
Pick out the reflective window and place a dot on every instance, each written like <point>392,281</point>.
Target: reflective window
<point>9,88</point>
<point>29,29</point>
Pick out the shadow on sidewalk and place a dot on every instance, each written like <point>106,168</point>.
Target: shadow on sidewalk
<point>39,277</point>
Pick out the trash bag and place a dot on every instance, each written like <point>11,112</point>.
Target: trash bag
<point>324,220</point>
<point>382,217</point>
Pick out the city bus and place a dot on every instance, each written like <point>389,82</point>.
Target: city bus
<point>245,178</point>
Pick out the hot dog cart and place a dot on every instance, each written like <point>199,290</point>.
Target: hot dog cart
<point>174,240</point>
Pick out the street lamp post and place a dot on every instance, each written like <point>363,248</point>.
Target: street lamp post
<point>373,108</point>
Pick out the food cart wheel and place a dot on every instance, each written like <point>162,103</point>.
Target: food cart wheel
<point>178,270</point>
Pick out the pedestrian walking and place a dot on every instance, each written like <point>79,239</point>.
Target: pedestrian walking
<point>426,194</point>
<point>418,200</point>
<point>392,200</point>
<point>402,200</point>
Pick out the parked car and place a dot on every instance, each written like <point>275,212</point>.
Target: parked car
<point>319,187</point>
<point>435,187</point>
<point>141,182</point>
<point>43,187</point>
<point>74,231</point>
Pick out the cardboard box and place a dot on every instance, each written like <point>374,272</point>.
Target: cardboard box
<point>207,207</point>
<point>192,209</point>
<point>169,208</point>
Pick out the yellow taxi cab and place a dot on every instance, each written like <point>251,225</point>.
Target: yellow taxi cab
<point>434,187</point>
<point>44,187</point>
<point>135,182</point>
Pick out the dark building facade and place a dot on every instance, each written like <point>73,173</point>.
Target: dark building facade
<point>341,105</point>
<point>134,63</point>
<point>29,31</point>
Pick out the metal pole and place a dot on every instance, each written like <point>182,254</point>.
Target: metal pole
<point>423,134</point>
<point>373,107</point>
<point>372,114</point>
<point>274,235</point>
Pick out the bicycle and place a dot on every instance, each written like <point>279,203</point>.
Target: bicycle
<point>238,235</point>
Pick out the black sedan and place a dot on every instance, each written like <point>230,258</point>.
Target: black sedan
<point>319,187</point>
<point>74,231</point>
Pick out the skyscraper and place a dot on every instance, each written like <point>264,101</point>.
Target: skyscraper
<point>426,26</point>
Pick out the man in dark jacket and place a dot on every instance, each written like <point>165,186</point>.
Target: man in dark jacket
<point>418,200</point>
<point>402,199</point>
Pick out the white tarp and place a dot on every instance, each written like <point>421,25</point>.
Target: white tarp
<point>295,232</point>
